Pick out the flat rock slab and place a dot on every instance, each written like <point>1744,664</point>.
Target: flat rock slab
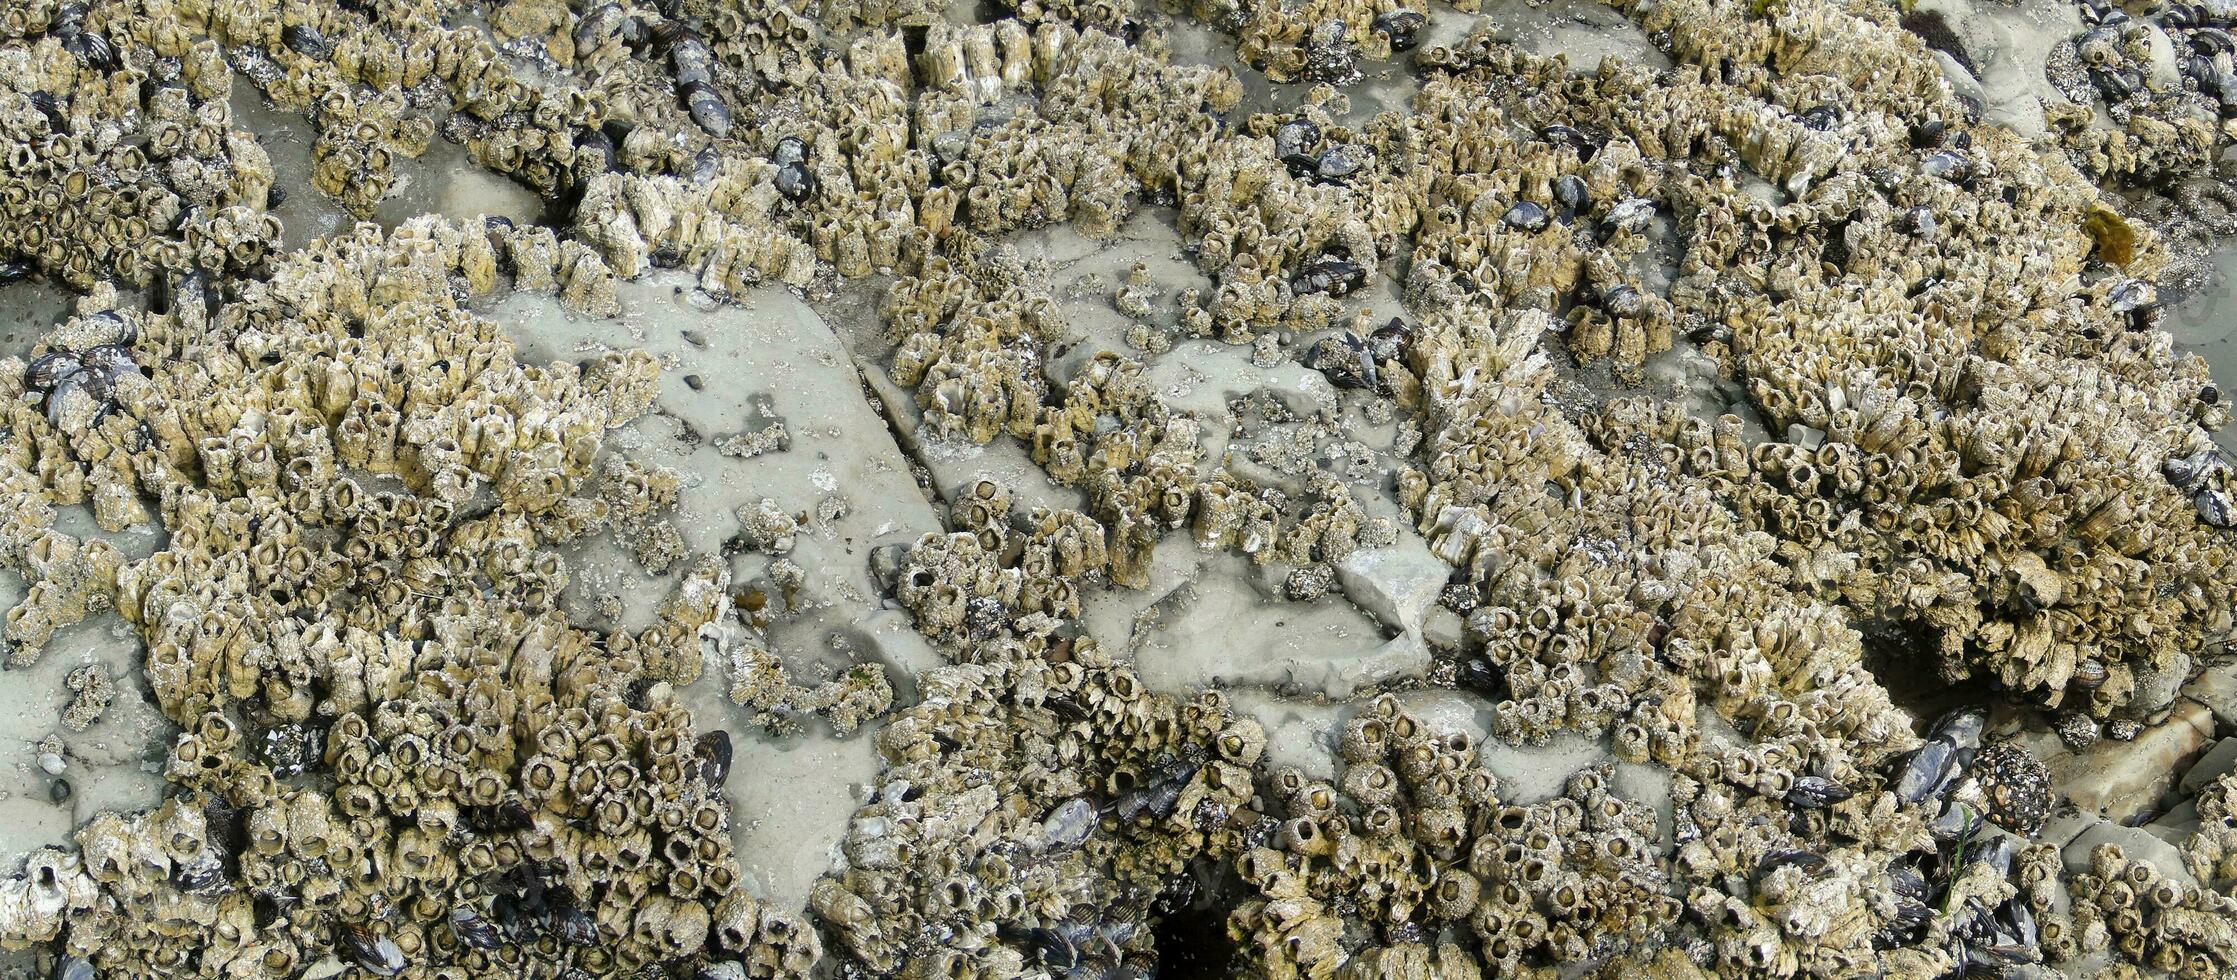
<point>1213,618</point>
<point>2135,843</point>
<point>2008,45</point>
<point>1397,585</point>
<point>115,764</point>
<point>2118,780</point>
<point>441,181</point>
<point>2219,760</point>
<point>725,371</point>
<point>2216,688</point>
<point>1200,377</point>
<point>768,359</point>
<point>790,799</point>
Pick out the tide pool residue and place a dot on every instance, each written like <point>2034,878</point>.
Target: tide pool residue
<point>2205,323</point>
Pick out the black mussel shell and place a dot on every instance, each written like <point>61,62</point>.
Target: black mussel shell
<point>1624,301</point>
<point>795,182</point>
<point>48,107</point>
<point>707,108</point>
<point>1928,133</point>
<point>668,33</point>
<point>91,48</point>
<point>2118,84</point>
<point>1069,823</point>
<point>1817,791</point>
<point>694,63</point>
<point>573,925</point>
<point>48,370</point>
<point>374,953</point>
<point>1822,118</point>
<point>1158,798</point>
<point>2130,294</point>
<point>2211,41</point>
<point>473,930</point>
<point>1923,771</point>
<point>1048,947</point>
<point>2186,473</point>
<point>205,875</point>
<point>1570,191</point>
<point>2215,508</point>
<point>791,149</point>
<point>289,750</point>
<point>596,22</point>
<point>1811,863</point>
<point>1910,913</point>
<point>1331,275</point>
<point>1479,675</point>
<point>1339,162</point>
<point>1920,221</point>
<point>595,153</point>
<point>1945,163</point>
<point>1526,216</point>
<point>1344,360</point>
<point>705,164</point>
<point>1388,342</point>
<point>1962,727</point>
<point>110,361</point>
<point>714,752</point>
<point>1957,821</point>
<point>1296,137</point>
<point>1906,880</point>
<point>73,968</point>
<point>1301,165</point>
<point>1403,27</point>
<point>501,818</point>
<point>303,39</point>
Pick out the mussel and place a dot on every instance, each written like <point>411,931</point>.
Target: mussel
<point>473,930</point>
<point>303,39</point>
<point>1402,27</point>
<point>714,752</point>
<point>374,953</point>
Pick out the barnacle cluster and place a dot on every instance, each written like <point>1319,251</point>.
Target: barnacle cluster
<point>1665,401</point>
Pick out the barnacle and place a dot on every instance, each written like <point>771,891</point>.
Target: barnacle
<point>1630,421</point>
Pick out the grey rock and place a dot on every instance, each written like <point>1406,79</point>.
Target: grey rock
<point>1397,585</point>
<point>2136,843</point>
<point>2220,758</point>
<point>2216,688</point>
<point>1443,629</point>
<point>2156,688</point>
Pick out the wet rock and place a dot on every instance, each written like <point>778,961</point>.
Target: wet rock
<point>1443,628</point>
<point>2156,687</point>
<point>888,637</point>
<point>2118,780</point>
<point>1397,585</point>
<point>2136,843</point>
<point>2220,758</point>
<point>2216,688</point>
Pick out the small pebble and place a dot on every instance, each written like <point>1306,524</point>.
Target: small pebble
<point>52,763</point>
<point>59,790</point>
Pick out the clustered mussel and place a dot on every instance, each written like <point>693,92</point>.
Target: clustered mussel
<point>396,753</point>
